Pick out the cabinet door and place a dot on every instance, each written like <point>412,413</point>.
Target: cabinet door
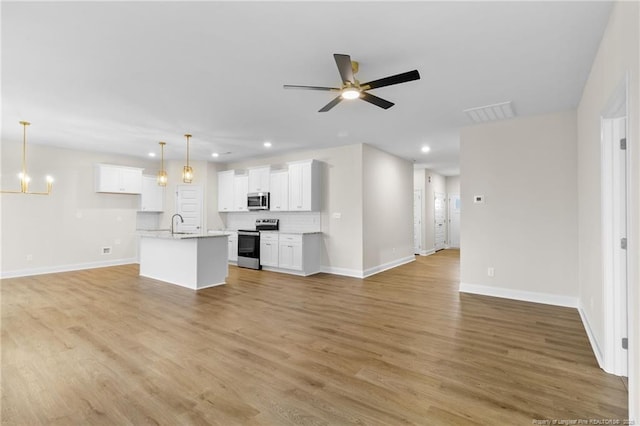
<point>259,179</point>
<point>300,187</point>
<point>131,180</point>
<point>152,197</point>
<point>269,252</point>
<point>233,247</point>
<point>279,187</point>
<point>107,179</point>
<point>290,252</point>
<point>241,188</point>
<point>226,184</point>
<point>118,179</point>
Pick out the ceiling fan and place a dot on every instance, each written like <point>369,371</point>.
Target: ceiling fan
<point>353,89</point>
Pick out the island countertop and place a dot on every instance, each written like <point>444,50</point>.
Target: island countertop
<point>166,234</point>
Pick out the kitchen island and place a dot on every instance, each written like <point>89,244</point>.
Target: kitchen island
<point>195,261</point>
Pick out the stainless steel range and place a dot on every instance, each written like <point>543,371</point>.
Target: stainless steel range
<point>249,243</point>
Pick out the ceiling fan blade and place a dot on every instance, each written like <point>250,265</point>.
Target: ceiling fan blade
<point>344,67</point>
<point>326,89</point>
<point>331,104</point>
<point>382,103</point>
<point>394,79</point>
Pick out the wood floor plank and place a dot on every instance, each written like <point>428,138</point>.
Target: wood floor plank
<point>107,347</point>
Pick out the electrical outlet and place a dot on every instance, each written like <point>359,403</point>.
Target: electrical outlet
<point>106,250</point>
<point>490,271</point>
<point>29,257</point>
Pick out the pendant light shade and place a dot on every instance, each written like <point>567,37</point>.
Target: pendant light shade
<point>23,176</point>
<point>187,171</point>
<point>162,174</point>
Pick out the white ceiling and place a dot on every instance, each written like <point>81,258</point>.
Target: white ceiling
<point>121,76</point>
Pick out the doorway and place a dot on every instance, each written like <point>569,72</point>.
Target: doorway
<point>440,221</point>
<point>189,206</point>
<point>454,220</point>
<point>417,221</point>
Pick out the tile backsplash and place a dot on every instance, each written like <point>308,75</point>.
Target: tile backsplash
<point>289,221</point>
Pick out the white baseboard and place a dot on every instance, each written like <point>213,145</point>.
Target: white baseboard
<point>592,339</point>
<point>65,268</point>
<point>526,296</point>
<point>355,273</point>
<point>389,265</point>
<point>427,252</point>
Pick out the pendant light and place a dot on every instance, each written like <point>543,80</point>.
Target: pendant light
<point>23,176</point>
<point>162,174</point>
<point>187,171</point>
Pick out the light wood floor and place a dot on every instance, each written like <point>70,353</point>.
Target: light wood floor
<point>106,346</point>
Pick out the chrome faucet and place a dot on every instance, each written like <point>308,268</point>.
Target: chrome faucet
<point>173,221</point>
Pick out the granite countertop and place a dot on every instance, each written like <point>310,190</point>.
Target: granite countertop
<point>165,233</point>
<point>293,232</point>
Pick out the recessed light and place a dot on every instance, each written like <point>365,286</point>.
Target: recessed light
<point>152,154</point>
<point>425,149</point>
<point>215,154</point>
<point>267,144</point>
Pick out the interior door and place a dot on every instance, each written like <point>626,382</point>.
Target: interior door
<point>440,224</point>
<point>417,221</point>
<point>454,220</point>
<point>189,206</point>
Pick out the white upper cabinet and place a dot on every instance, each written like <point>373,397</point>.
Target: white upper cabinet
<point>304,186</point>
<point>240,190</point>
<point>259,179</point>
<point>226,185</point>
<point>152,197</point>
<point>296,188</point>
<point>118,179</point>
<point>279,187</point>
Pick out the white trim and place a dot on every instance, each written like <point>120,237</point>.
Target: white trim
<point>526,296</point>
<point>427,252</point>
<point>389,265</point>
<point>355,273</point>
<point>65,268</point>
<point>592,338</point>
<point>287,271</point>
<point>614,193</point>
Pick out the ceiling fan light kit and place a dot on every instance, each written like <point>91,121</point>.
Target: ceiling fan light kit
<point>352,89</point>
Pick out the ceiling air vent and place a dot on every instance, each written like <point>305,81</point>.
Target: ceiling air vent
<point>494,112</point>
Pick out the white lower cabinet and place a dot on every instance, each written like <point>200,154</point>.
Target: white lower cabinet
<point>297,254</point>
<point>290,250</point>
<point>233,246</point>
<point>269,249</point>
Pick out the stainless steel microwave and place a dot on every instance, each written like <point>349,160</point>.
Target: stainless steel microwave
<point>258,201</point>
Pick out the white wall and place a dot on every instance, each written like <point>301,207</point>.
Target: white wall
<point>453,184</point>
<point>526,230</point>
<point>67,229</point>
<point>387,210</point>
<point>618,54</point>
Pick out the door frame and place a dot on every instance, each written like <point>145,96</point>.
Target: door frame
<point>615,213</point>
<point>442,195</point>
<point>449,215</point>
<point>418,193</point>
